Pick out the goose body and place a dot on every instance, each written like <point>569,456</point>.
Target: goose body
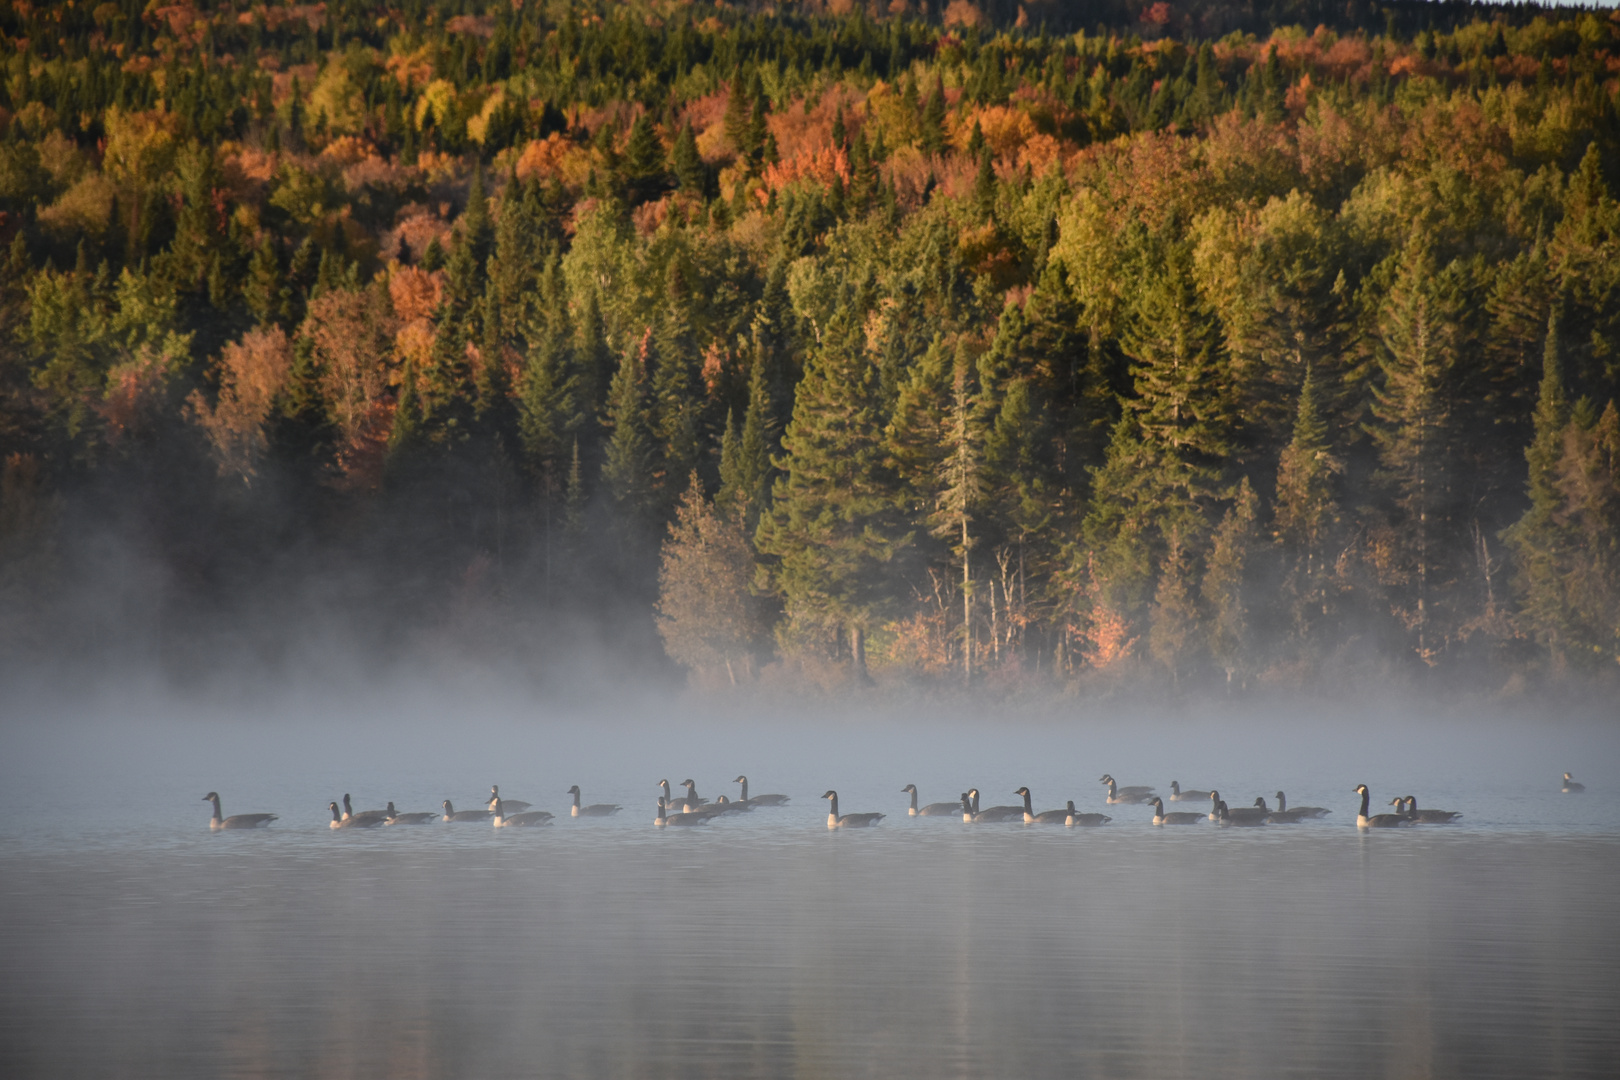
<point>363,817</point>
<point>1045,817</point>
<point>1302,811</point>
<point>1183,818</point>
<point>993,813</point>
<point>235,821</point>
<point>1424,817</point>
<point>1242,817</point>
<point>1143,790</point>
<point>452,814</point>
<point>514,806</point>
<point>835,820</point>
<point>690,801</point>
<point>595,810</point>
<point>1189,795</point>
<point>936,809</point>
<point>1279,817</point>
<point>759,800</point>
<point>1571,785</point>
<point>1377,821</point>
<point>1118,796</point>
<point>665,818</point>
<point>517,821</point>
<point>394,817</point>
<point>1074,819</point>
<point>340,820</point>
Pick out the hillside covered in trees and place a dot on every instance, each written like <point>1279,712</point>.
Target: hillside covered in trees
<point>1202,344</point>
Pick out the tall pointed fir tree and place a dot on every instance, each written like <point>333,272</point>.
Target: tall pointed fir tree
<point>962,493</point>
<point>627,471</point>
<point>745,470</point>
<point>1307,517</point>
<point>1225,590</point>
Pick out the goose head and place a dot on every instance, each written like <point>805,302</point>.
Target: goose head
<point>831,794</point>
<point>573,790</point>
<point>1157,804</point>
<point>909,789</point>
<point>212,796</point>
<point>1261,803</point>
<point>1361,789</point>
<point>740,780</point>
<point>1214,796</point>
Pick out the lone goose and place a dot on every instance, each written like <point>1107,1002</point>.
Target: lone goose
<point>452,814</point>
<point>993,813</point>
<point>1571,786</point>
<point>1279,816</point>
<point>759,800</point>
<point>1378,821</point>
<point>665,818</point>
<point>517,806</point>
<point>1133,789</point>
<point>596,810</point>
<point>1045,817</point>
<point>396,818</point>
<point>1118,796</point>
<point>340,820</point>
<point>1178,795</point>
<point>1162,818</point>
<point>1302,811</point>
<point>1424,817</point>
<point>235,821</point>
<point>528,820</point>
<point>364,817</point>
<point>933,809</point>
<point>1242,817</point>
<point>1072,818</point>
<point>835,820</point>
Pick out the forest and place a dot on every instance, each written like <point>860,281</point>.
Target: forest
<point>1197,346</point>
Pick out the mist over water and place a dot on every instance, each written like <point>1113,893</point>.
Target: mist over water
<point>139,944</point>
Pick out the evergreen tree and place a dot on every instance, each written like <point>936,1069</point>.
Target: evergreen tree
<point>1225,591</point>
<point>687,164</point>
<point>1307,513</point>
<point>627,471</point>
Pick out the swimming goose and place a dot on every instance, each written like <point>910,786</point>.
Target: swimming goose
<point>516,806</point>
<point>363,817</point>
<point>1045,817</point>
<point>1378,821</point>
<point>693,800</point>
<point>759,800</point>
<point>235,821</point>
<point>396,818</point>
<point>1120,796</point>
<point>1243,816</point>
<point>1162,818</point>
<point>1189,795</point>
<point>1133,789</point>
<point>1215,807</point>
<point>1073,818</point>
<point>665,818</point>
<point>452,814</point>
<point>993,813</point>
<point>532,818</point>
<point>1424,817</point>
<point>933,809</point>
<point>1571,786</point>
<point>1279,816</point>
<point>340,820</point>
<point>689,800</point>
<point>835,820</point>
<point>1302,811</point>
<point>596,810</point>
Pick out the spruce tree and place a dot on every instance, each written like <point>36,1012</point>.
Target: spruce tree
<point>627,472</point>
<point>1225,587</point>
<point>1307,513</point>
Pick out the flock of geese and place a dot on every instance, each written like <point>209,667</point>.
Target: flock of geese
<point>692,809</point>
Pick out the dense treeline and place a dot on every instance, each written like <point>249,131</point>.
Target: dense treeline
<point>1048,343</point>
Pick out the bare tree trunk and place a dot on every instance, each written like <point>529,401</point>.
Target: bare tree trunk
<point>857,649</point>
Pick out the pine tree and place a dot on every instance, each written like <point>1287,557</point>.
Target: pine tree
<point>932,139</point>
<point>1306,512</point>
<point>963,491</point>
<point>1173,618</point>
<point>748,475</point>
<point>687,164</point>
<point>628,470</point>
<point>1225,593</point>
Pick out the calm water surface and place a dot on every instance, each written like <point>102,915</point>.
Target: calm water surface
<point>140,945</point>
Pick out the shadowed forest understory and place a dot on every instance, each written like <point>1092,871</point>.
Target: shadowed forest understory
<point>1053,346</point>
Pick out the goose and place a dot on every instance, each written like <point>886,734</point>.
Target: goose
<point>1133,789</point>
<point>1243,816</point>
<point>835,820</point>
<point>759,800</point>
<point>1073,818</point>
<point>1571,785</point>
<point>364,817</point>
<point>1118,796</point>
<point>665,818</point>
<point>1045,817</point>
<point>1162,818</point>
<point>1378,821</point>
<point>1302,811</point>
<point>516,806</point>
<point>596,810</point>
<point>1177,795</point>
<point>340,820</point>
<point>1279,816</point>
<point>1425,817</point>
<point>396,818</point>
<point>452,814</point>
<point>934,809</point>
<point>1215,807</point>
<point>994,813</point>
<point>528,820</point>
<point>691,800</point>
<point>235,821</point>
